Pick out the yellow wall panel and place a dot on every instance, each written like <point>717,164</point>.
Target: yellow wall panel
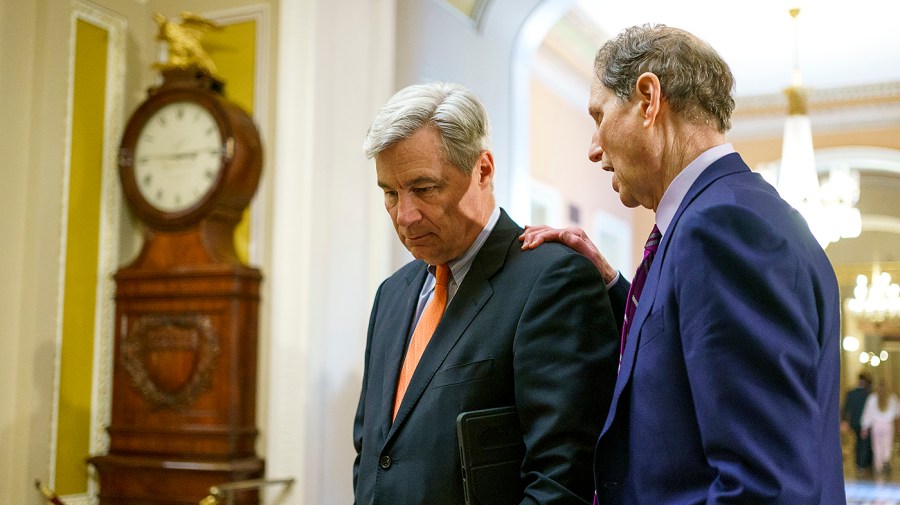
<point>233,50</point>
<point>467,7</point>
<point>82,239</point>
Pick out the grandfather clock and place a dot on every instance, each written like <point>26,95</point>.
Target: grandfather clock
<point>184,377</point>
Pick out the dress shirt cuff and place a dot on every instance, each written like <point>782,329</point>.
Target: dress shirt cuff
<point>615,280</point>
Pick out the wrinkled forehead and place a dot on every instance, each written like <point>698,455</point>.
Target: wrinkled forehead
<point>599,95</point>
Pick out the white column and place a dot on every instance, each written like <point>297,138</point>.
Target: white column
<point>330,238</point>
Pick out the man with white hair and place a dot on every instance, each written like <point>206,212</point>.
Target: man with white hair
<point>473,322</point>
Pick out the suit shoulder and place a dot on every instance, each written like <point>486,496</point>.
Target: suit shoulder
<point>406,273</point>
<point>409,268</point>
<point>548,254</point>
<point>549,251</point>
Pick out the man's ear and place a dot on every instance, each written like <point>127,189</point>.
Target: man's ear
<point>649,92</point>
<point>484,167</point>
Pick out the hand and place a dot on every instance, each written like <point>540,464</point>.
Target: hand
<point>573,237</point>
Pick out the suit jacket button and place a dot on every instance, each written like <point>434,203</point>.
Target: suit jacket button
<point>385,462</point>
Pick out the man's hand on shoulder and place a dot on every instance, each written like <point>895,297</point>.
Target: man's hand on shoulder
<point>573,237</point>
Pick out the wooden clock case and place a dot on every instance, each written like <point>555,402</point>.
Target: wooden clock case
<point>184,376</point>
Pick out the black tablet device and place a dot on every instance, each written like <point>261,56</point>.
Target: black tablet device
<point>491,450</point>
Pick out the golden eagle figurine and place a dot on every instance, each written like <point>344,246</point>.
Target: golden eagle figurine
<point>183,41</point>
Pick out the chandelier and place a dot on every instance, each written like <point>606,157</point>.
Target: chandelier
<point>877,301</point>
<point>829,208</point>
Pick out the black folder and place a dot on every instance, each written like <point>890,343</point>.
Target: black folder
<point>491,450</point>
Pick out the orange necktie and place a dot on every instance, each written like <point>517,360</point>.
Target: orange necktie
<point>428,321</point>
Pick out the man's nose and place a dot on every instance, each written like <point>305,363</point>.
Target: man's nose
<point>595,152</point>
<point>407,211</point>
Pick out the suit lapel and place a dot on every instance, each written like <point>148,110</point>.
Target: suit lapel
<point>648,296</point>
<point>726,165</point>
<point>468,301</point>
<point>402,314</point>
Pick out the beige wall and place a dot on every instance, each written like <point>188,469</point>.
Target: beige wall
<point>33,94</point>
<point>560,136</point>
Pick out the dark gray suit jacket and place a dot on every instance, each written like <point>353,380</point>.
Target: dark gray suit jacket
<point>532,329</point>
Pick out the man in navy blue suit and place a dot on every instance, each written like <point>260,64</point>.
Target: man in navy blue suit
<point>728,388</point>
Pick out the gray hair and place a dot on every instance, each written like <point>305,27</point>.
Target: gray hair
<point>695,80</point>
<point>456,113</point>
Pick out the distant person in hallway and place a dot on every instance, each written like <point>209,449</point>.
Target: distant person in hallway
<point>529,329</point>
<point>851,419</point>
<point>728,390</point>
<point>878,418</point>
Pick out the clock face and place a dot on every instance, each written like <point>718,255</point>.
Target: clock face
<point>178,156</point>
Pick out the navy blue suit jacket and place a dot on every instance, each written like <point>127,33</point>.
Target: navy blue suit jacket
<point>729,385</point>
<point>532,329</point>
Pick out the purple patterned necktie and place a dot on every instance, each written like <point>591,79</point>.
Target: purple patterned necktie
<point>637,285</point>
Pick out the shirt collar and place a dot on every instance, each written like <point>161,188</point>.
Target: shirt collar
<point>460,266</point>
<point>679,187</point>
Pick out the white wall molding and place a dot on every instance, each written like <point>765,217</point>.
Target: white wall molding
<point>110,210</point>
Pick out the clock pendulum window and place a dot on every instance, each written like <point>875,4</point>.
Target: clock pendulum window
<point>184,375</point>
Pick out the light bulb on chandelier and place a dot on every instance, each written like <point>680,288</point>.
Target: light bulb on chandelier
<point>830,209</point>
<point>877,301</point>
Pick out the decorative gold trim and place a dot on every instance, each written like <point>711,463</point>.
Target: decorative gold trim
<point>821,99</point>
<point>796,96</point>
<point>846,272</point>
<point>831,110</point>
<point>889,329</point>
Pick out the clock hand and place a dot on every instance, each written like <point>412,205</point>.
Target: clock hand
<point>163,157</point>
<point>188,154</point>
<point>193,154</point>
<point>183,155</point>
